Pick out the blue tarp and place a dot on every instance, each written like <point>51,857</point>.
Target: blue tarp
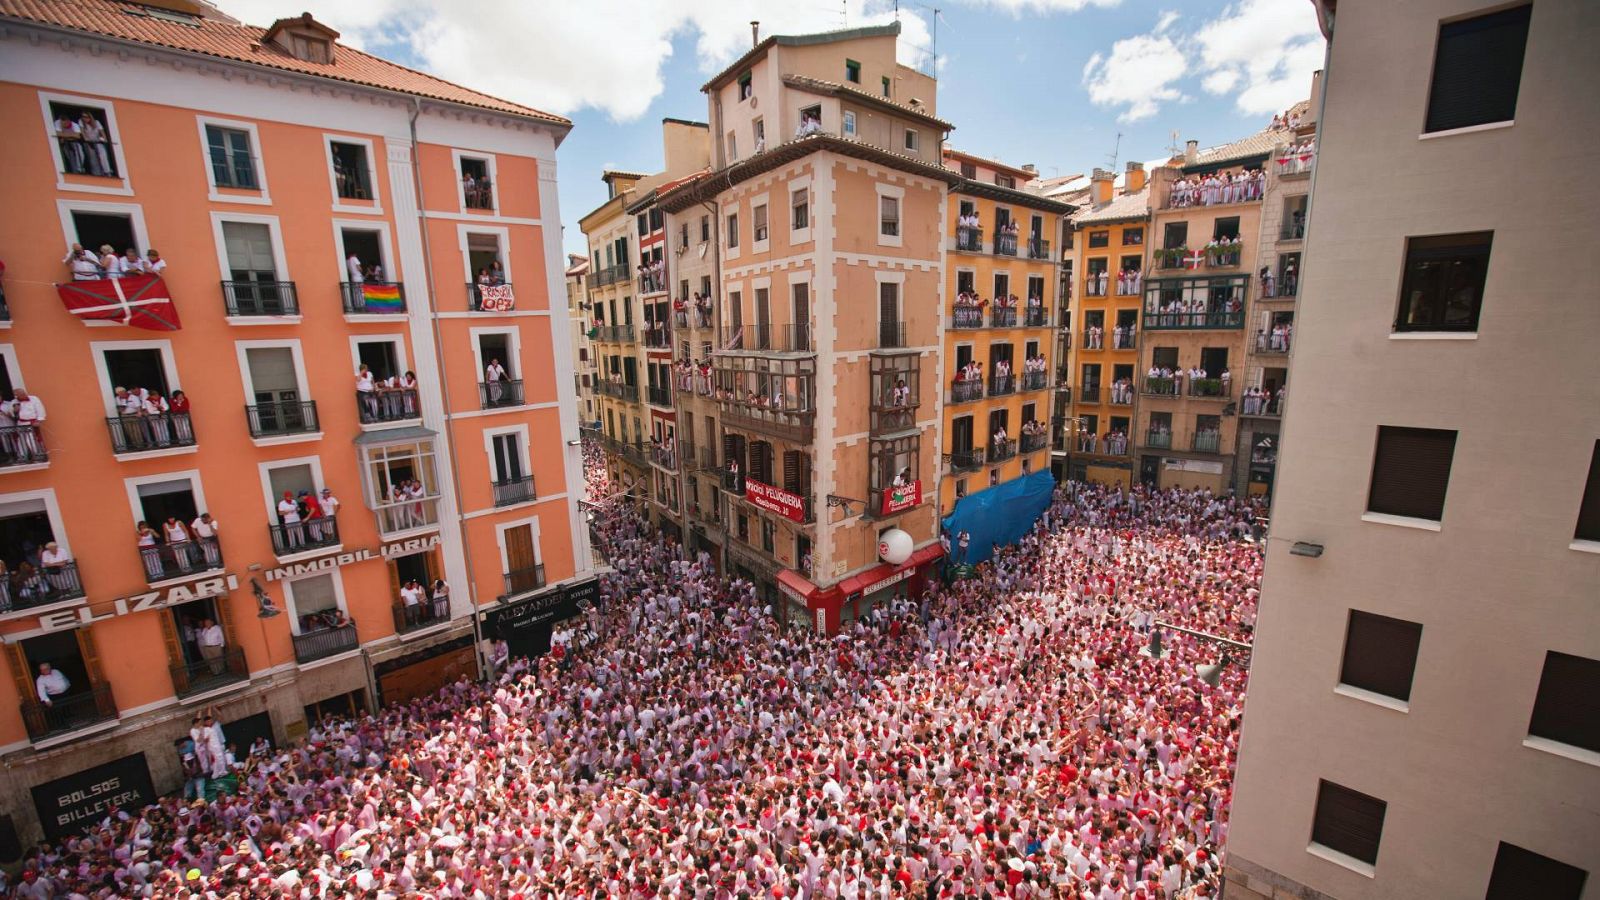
<point>1000,515</point>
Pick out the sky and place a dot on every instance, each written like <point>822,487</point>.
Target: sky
<point>1067,85</point>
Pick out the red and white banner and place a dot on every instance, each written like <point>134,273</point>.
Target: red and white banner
<point>896,499</point>
<point>496,298</point>
<point>778,500</point>
<point>141,301</point>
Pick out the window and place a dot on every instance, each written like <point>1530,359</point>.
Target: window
<point>1410,472</point>
<point>1005,181</point>
<point>733,147</point>
<point>1099,239</point>
<point>310,49</point>
<point>232,166</point>
<point>1589,508</point>
<point>852,71</point>
<point>253,286</point>
<point>1348,822</point>
<point>911,139</point>
<point>758,222</point>
<point>1477,69</point>
<point>1522,873</point>
<point>350,176</point>
<point>886,85</point>
<point>733,230</point>
<point>968,170</point>
<point>1443,286</point>
<point>759,127</point>
<point>745,88</point>
<point>1380,654</point>
<point>1565,709</point>
<point>1176,235</point>
<point>477,183</point>
<point>84,139</point>
<point>800,204</point>
<point>849,123</point>
<point>1226,227</point>
<point>889,216</point>
<point>310,600</point>
<point>1132,237</point>
<point>642,222</point>
<point>400,483</point>
<point>705,229</point>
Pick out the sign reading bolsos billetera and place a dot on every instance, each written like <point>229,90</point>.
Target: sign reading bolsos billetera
<point>69,806</point>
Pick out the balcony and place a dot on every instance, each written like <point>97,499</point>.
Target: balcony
<point>1262,406</point>
<point>656,336</point>
<point>1032,443</point>
<point>1275,343</point>
<point>495,394</point>
<point>614,334</point>
<point>1038,248</point>
<point>81,157</point>
<point>1209,388</point>
<point>777,338</point>
<point>659,396</point>
<point>635,452</point>
<point>502,297</point>
<point>418,616</point>
<point>523,581</point>
<point>137,434</point>
<point>1124,337</point>
<point>1158,439</point>
<point>1202,192</point>
<point>1161,386</point>
<point>299,537</point>
<point>1293,231</point>
<point>732,482</point>
<point>1207,442</point>
<point>1121,392</point>
<point>191,678</point>
<point>260,298</point>
<point>966,317</point>
<point>1094,284</point>
<point>180,558</point>
<point>321,643</point>
<point>1220,320</point>
<point>888,418</point>
<point>1005,244</point>
<point>652,283</point>
<point>1000,385</point>
<point>1223,257</point>
<point>289,417</point>
<point>40,587</point>
<point>1297,160</point>
<point>1005,317</point>
<point>406,515</point>
<point>510,491</point>
<point>69,712</point>
<point>966,459</point>
<point>1037,317</point>
<point>1171,257</point>
<point>373,298</point>
<point>664,456</point>
<point>1089,393</point>
<point>387,405</point>
<point>795,426</point>
<point>611,275</point>
<point>478,195</point>
<point>1000,451</point>
<point>618,390</point>
<point>969,239</point>
<point>875,500</point>
<point>1035,381</point>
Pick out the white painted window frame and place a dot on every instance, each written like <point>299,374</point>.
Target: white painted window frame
<point>257,153</point>
<point>376,209</point>
<point>169,366</point>
<point>288,594</point>
<point>456,156</point>
<point>109,108</point>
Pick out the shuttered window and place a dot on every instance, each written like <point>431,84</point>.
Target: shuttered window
<point>1520,873</point>
<point>1477,70</point>
<point>1380,654</point>
<point>1347,821</point>
<point>1410,472</point>
<point>761,462</point>
<point>1567,707</point>
<point>1589,508</point>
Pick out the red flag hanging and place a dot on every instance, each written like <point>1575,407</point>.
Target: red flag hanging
<point>141,301</point>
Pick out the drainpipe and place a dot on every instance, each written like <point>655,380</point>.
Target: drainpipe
<point>444,385</point>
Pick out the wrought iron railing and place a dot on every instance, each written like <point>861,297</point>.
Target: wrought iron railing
<point>492,394</point>
<point>209,673</point>
<point>523,580</point>
<point>39,587</point>
<point>180,558</point>
<point>310,646</point>
<point>135,434</point>
<point>508,491</point>
<point>373,298</point>
<point>298,537</point>
<point>392,405</point>
<point>68,712</point>
<point>420,615</point>
<point>286,417</point>
<point>260,298</point>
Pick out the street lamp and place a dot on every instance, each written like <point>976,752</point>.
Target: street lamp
<point>1210,673</point>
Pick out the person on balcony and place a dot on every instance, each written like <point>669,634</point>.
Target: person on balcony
<point>493,374</point>
<point>439,594</point>
<point>411,603</point>
<point>52,684</point>
<point>416,494</point>
<point>73,157</point>
<point>130,418</point>
<point>313,515</point>
<point>294,537</point>
<point>96,147</point>
<point>53,560</point>
<point>149,550</point>
<point>156,417</point>
<point>367,394</point>
<point>901,396</point>
<point>330,505</point>
<point>211,640</point>
<point>176,535</point>
<point>85,266</point>
<point>497,273</point>
<point>182,427</point>
<point>204,531</point>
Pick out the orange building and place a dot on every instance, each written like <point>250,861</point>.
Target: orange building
<point>321,212</point>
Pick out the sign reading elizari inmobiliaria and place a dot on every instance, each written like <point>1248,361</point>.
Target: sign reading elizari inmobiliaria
<point>69,806</point>
<point>518,619</point>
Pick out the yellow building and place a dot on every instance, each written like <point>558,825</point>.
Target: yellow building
<point>1001,283</point>
<point>611,305</point>
<point>1109,237</point>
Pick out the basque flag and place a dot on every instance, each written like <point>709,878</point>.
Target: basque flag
<point>141,301</point>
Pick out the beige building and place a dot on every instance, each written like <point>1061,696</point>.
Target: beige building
<point>578,320</point>
<point>1423,718</point>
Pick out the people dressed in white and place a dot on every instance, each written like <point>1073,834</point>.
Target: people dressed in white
<point>289,515</point>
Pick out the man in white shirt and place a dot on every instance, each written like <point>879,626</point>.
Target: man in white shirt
<point>51,684</point>
<point>154,264</point>
<point>289,514</point>
<point>330,503</point>
<point>411,597</point>
<point>204,530</point>
<point>29,412</point>
<point>54,561</point>
<point>493,374</point>
<point>211,642</point>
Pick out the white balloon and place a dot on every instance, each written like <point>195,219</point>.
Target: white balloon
<point>895,546</point>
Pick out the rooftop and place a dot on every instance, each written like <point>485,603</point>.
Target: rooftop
<point>205,33</point>
<point>818,85</point>
<point>1123,206</point>
<point>1256,145</point>
<point>1002,168</point>
<point>798,40</point>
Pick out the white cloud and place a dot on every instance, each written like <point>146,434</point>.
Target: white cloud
<point>1262,50</point>
<point>1140,74</point>
<point>1016,7</point>
<point>561,57</point>
<point>1221,81</point>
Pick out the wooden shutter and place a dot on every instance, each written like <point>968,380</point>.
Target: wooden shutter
<point>18,660</point>
<point>888,304</point>
<point>1520,873</point>
<point>1565,708</point>
<point>519,548</point>
<point>1348,821</point>
<point>1380,654</point>
<point>1411,471</point>
<point>1477,70</point>
<point>791,471</point>
<point>91,656</point>
<point>1589,509</point>
<point>730,449</point>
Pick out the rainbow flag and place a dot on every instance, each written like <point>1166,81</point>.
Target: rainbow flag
<point>382,297</point>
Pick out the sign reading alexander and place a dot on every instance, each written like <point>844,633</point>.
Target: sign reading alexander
<point>522,618</point>
<point>900,498</point>
<point>778,500</point>
<point>172,596</point>
<point>70,806</point>
<point>398,548</point>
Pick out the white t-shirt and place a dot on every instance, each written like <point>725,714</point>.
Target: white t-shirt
<point>289,511</point>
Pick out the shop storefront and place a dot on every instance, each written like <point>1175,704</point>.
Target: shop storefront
<point>826,609</point>
<point>424,671</point>
<point>69,806</point>
<point>527,623</point>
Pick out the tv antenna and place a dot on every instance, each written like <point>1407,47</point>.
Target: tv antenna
<point>1116,150</point>
<point>1172,148</point>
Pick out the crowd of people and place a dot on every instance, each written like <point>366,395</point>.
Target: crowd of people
<point>108,263</point>
<point>85,145</point>
<point>381,399</point>
<point>1218,188</point>
<point>177,546</point>
<point>700,304</point>
<point>999,737</point>
<point>1263,401</point>
<point>652,276</point>
<point>1223,250</point>
<point>21,419</point>
<point>476,192</point>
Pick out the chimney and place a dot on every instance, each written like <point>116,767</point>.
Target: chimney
<point>1031,169</point>
<point>1134,182</point>
<point>1102,180</point>
<point>755,32</point>
<point>1191,152</point>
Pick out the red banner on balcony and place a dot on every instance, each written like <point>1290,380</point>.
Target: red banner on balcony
<point>138,300</point>
<point>778,500</point>
<point>496,298</point>
<point>896,499</point>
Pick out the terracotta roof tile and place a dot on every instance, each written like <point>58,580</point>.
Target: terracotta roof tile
<point>242,43</point>
<point>1123,206</point>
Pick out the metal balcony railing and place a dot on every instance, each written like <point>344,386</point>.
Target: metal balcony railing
<point>391,405</point>
<point>1089,393</point>
<point>508,491</point>
<point>659,396</point>
<point>1037,317</point>
<point>1124,338</point>
<point>795,425</point>
<point>1094,285</point>
<point>615,334</point>
<point>404,515</point>
<point>22,445</point>
<point>664,457</point>
<point>1193,321</point>
<point>180,558</point>
<point>1209,388</point>
<point>260,298</point>
<point>69,712</point>
<point>40,587</point>
<point>966,317</point>
<point>1170,257</point>
<point>1273,343</point>
<point>1159,440</point>
<point>966,391</point>
<point>288,417</point>
<point>81,157</point>
<point>207,674</point>
<point>1038,248</point>
<point>969,239</point>
<point>1161,386</point>
<point>524,580</point>
<point>136,434</point>
<point>618,390</point>
<point>1000,385</point>
<point>1219,258</point>
<point>966,459</point>
<point>298,537</point>
<point>1000,451</point>
<point>373,298</point>
<point>310,646</point>
<point>421,615</point>
<point>652,283</point>
<point>656,335</point>
<point>1003,318</point>
<point>888,418</point>
<point>1035,381</point>
<point>1207,442</point>
<point>1005,244</point>
<point>480,195</point>
<point>492,394</point>
<point>1032,443</point>
<point>891,335</point>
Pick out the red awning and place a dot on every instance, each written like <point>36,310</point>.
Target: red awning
<point>796,582</point>
<point>861,581</point>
